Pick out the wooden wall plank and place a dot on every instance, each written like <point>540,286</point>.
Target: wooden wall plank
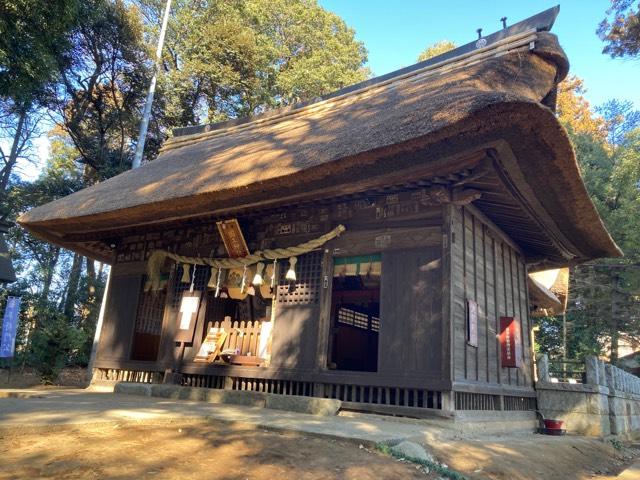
<point>410,317</point>
<point>513,284</point>
<point>470,281</point>
<point>458,294</point>
<point>527,371</point>
<point>501,300</point>
<point>480,294</point>
<point>491,312</point>
<point>119,317</point>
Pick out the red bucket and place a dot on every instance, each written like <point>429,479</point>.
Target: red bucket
<point>551,424</point>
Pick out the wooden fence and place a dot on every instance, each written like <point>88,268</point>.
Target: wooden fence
<point>241,335</point>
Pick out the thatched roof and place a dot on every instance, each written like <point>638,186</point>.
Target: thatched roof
<point>421,120</point>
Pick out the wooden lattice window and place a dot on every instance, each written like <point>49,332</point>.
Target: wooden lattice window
<point>150,312</point>
<point>306,289</point>
<point>178,287</point>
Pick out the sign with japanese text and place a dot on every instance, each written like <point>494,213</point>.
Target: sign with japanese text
<point>232,238</point>
<point>9,327</point>
<point>510,346</point>
<point>187,315</point>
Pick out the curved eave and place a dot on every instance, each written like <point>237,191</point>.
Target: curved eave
<point>543,299</point>
<point>534,155</point>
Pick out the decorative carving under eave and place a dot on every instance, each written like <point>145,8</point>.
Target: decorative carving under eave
<point>464,196</point>
<point>440,195</point>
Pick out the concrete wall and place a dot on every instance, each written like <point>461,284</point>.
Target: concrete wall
<point>607,404</point>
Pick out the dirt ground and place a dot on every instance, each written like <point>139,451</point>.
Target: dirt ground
<point>177,449</point>
<point>182,451</point>
<point>221,451</point>
<point>533,457</point>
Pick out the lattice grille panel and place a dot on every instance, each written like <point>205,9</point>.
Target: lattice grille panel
<point>282,387</point>
<point>306,290</point>
<point>348,315</point>
<point>121,375</point>
<point>150,311</point>
<point>477,401</point>
<point>520,403</point>
<point>203,381</point>
<point>177,287</point>
<point>394,396</point>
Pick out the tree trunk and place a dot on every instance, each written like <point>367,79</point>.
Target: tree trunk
<point>72,286</point>
<point>16,148</point>
<point>49,270</point>
<point>90,306</point>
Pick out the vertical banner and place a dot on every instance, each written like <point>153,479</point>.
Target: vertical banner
<point>510,346</point>
<point>472,323</point>
<point>9,327</point>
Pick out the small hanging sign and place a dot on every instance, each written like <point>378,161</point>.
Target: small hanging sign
<point>472,323</point>
<point>187,315</point>
<point>233,239</point>
<point>510,347</point>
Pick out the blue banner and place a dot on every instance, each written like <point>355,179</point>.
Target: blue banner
<point>9,327</point>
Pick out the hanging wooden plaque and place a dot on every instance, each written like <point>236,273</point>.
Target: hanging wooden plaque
<point>233,239</point>
<point>187,315</point>
<point>510,346</point>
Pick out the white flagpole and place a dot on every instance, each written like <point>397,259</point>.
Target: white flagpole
<point>144,125</point>
<point>142,136</point>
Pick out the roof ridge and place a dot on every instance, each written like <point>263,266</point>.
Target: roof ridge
<point>542,21</point>
<point>275,116</point>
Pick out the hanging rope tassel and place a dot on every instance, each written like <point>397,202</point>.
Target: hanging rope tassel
<point>291,273</point>
<point>212,278</point>
<point>244,280</point>
<point>193,279</point>
<point>218,283</point>
<point>186,277</point>
<point>257,279</point>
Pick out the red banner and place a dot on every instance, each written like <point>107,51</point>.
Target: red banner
<point>510,346</point>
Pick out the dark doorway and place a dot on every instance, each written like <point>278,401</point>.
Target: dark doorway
<point>355,312</point>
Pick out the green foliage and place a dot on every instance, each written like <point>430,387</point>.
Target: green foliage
<point>620,118</point>
<point>604,300</point>
<point>436,49</point>
<point>583,336</point>
<point>54,343</point>
<point>33,41</point>
<point>231,58</point>
<point>104,86</point>
<point>620,30</point>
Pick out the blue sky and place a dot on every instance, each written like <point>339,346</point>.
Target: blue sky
<point>395,32</point>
